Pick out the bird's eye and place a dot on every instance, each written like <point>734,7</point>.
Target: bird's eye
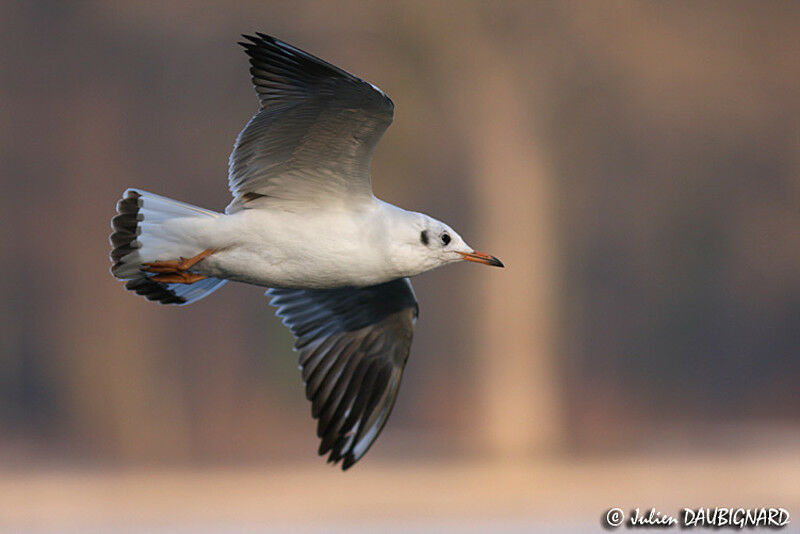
<point>446,239</point>
<point>423,236</point>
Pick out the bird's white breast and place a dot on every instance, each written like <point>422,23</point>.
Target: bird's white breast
<point>320,248</point>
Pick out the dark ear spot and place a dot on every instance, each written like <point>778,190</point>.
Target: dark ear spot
<point>423,236</point>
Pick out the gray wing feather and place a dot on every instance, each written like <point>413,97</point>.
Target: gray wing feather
<point>353,345</point>
<point>315,131</point>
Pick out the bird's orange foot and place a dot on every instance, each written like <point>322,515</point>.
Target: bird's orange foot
<point>176,271</point>
<point>178,278</point>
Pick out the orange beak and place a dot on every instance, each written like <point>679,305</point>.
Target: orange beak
<point>480,257</point>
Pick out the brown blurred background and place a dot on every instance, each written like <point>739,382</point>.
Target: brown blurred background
<point>636,165</point>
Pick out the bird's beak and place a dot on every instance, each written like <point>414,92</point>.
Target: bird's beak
<point>480,257</point>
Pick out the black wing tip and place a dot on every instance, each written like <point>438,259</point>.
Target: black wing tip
<point>300,68</point>
<point>251,43</point>
<point>259,37</point>
<point>336,455</point>
<point>347,460</point>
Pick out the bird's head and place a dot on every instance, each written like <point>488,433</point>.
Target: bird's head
<point>427,243</point>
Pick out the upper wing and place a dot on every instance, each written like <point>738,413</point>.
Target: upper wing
<point>315,131</point>
<point>353,345</point>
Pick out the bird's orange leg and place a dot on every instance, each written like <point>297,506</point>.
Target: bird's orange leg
<point>176,271</point>
<point>178,278</point>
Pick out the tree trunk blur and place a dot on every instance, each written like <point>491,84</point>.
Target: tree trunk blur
<point>514,207</point>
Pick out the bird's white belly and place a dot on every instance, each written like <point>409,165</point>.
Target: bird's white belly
<point>279,249</point>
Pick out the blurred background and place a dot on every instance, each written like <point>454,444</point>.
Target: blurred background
<point>636,165</point>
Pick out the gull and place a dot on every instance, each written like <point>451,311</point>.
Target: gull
<point>305,224</point>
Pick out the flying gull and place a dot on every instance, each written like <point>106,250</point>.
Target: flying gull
<point>304,223</point>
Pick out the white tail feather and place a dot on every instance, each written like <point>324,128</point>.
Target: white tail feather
<point>141,235</point>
